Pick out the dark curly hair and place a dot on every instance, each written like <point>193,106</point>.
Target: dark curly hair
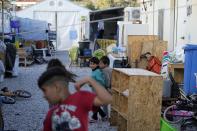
<point>105,60</point>
<point>54,62</point>
<point>54,74</point>
<point>94,60</point>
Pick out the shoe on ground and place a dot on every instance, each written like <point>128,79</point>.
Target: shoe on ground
<point>104,118</point>
<point>5,89</point>
<point>93,121</point>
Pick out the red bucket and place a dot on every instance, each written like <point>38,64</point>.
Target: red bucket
<point>40,44</point>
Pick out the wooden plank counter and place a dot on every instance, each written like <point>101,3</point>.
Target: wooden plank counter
<point>177,71</point>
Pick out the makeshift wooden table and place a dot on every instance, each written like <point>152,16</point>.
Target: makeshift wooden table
<point>177,70</point>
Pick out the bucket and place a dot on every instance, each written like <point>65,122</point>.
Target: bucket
<point>165,126</point>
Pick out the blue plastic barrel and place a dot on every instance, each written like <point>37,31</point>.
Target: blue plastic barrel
<point>190,67</point>
<point>14,24</point>
<point>87,52</point>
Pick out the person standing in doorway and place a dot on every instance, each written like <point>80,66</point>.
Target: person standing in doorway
<point>100,29</point>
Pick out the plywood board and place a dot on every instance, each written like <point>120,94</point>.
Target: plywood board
<point>123,82</point>
<point>134,72</point>
<point>143,63</point>
<point>132,39</point>
<point>177,71</point>
<point>122,124</point>
<point>159,48</point>
<point>144,104</point>
<point>113,117</point>
<point>136,50</point>
<point>115,79</point>
<point>123,105</point>
<point>134,64</point>
<point>115,99</point>
<point>147,47</point>
<point>145,94</point>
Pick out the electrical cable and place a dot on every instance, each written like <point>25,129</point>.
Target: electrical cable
<point>95,21</point>
<point>60,27</point>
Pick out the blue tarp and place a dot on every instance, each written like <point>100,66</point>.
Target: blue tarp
<point>33,29</point>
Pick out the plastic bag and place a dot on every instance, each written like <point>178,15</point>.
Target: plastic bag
<point>109,49</point>
<point>177,56</point>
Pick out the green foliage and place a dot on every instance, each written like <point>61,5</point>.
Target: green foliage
<point>90,6</point>
<point>76,0</point>
<point>103,4</point>
<point>99,53</point>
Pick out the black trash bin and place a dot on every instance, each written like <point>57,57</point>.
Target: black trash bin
<point>83,45</point>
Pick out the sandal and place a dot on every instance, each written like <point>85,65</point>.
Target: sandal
<point>5,89</point>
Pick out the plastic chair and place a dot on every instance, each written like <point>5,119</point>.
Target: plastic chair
<point>103,43</point>
<point>73,54</point>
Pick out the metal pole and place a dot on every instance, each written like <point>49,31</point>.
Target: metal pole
<point>2,24</point>
<point>56,27</point>
<point>174,19</point>
<point>14,9</point>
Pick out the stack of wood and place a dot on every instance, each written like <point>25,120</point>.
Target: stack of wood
<point>138,45</point>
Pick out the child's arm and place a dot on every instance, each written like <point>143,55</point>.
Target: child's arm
<point>102,95</point>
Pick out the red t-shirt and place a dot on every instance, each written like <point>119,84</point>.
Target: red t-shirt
<point>72,114</point>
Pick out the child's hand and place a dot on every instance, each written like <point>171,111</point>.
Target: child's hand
<point>82,82</point>
<point>77,86</point>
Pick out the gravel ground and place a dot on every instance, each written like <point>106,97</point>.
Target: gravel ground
<point>28,114</point>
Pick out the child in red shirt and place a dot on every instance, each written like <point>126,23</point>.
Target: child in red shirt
<point>71,110</point>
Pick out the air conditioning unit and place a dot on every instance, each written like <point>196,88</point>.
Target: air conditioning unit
<point>132,13</point>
